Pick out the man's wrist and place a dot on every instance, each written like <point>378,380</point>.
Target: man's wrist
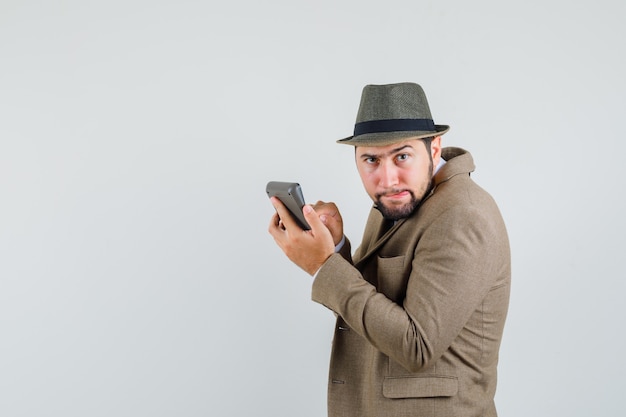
<point>340,244</point>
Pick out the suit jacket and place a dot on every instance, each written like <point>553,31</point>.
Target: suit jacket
<point>421,306</point>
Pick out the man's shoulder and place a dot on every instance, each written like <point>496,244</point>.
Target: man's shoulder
<point>454,189</point>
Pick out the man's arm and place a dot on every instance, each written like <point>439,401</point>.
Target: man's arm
<point>446,285</point>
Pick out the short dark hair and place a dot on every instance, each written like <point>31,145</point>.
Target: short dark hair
<point>427,141</point>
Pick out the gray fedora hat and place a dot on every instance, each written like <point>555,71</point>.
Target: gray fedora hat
<point>392,113</point>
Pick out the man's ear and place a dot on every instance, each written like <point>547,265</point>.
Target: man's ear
<point>435,149</point>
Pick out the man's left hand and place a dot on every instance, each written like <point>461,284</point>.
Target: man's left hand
<point>308,249</point>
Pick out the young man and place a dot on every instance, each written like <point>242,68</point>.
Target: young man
<point>421,304</point>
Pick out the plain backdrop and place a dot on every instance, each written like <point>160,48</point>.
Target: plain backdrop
<point>137,277</point>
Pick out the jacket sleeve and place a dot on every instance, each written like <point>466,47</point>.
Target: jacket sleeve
<point>452,269</point>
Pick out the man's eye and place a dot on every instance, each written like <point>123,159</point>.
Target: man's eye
<point>403,157</point>
<point>370,160</point>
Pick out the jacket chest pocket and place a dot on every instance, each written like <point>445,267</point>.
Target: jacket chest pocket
<point>392,277</point>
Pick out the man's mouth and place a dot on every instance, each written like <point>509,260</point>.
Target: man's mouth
<point>396,195</point>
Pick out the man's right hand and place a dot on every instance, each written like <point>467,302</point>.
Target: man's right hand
<point>330,216</point>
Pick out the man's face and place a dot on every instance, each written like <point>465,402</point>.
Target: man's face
<point>398,176</point>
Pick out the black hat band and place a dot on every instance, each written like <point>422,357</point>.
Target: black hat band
<point>394,125</point>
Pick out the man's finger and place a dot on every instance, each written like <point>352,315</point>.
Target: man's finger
<point>284,215</point>
<point>313,219</point>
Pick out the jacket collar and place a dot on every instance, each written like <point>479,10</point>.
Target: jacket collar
<point>463,164</point>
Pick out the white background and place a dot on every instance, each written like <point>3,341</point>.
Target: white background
<point>137,277</point>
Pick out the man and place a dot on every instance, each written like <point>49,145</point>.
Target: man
<point>421,304</point>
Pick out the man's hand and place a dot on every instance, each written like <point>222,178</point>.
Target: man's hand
<point>330,216</point>
<point>308,249</point>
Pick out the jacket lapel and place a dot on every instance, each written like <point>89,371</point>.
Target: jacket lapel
<point>385,230</point>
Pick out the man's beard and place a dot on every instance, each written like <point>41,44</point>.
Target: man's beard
<point>400,212</point>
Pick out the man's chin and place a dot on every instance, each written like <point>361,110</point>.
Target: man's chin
<point>396,212</point>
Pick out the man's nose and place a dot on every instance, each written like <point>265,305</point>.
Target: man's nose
<point>388,175</point>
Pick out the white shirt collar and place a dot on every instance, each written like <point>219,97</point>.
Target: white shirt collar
<point>441,163</point>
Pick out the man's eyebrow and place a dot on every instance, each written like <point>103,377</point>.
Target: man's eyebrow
<point>391,152</point>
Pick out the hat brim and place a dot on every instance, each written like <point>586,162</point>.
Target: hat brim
<point>387,138</point>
